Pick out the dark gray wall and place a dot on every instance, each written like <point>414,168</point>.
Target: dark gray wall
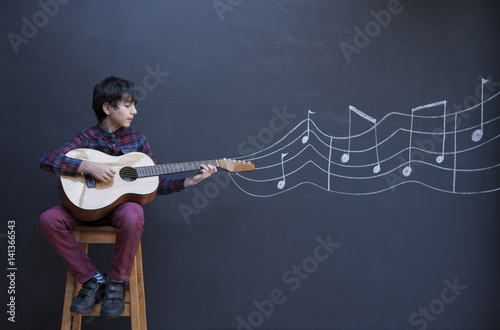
<point>418,252</point>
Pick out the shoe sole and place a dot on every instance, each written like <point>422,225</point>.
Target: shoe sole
<point>111,316</point>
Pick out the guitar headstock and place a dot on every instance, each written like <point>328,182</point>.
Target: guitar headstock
<point>235,166</point>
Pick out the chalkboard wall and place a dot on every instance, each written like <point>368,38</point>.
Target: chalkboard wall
<point>373,126</point>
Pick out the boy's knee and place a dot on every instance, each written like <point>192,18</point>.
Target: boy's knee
<point>135,210</point>
<point>132,216</point>
<point>51,220</point>
<point>44,221</point>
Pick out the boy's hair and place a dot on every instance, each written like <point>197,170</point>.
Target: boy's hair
<point>113,90</point>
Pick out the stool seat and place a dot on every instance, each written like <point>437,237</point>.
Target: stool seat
<point>135,300</point>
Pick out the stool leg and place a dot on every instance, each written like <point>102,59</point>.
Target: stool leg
<point>68,298</point>
<point>140,284</point>
<point>134,298</point>
<point>71,321</point>
<point>77,318</point>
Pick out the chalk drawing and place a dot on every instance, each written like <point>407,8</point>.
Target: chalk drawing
<point>407,170</point>
<point>345,157</point>
<point>281,183</point>
<point>306,137</point>
<point>478,134</point>
<point>318,145</point>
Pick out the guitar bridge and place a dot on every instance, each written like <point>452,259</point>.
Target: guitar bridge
<point>90,180</point>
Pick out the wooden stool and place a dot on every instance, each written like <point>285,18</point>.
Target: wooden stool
<point>135,304</point>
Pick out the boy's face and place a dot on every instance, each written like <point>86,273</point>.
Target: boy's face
<point>122,115</point>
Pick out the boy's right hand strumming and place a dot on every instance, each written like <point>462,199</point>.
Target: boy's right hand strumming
<point>100,172</point>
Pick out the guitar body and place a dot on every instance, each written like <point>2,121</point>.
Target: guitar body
<point>95,200</point>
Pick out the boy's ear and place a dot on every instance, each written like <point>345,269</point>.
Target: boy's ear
<point>106,107</point>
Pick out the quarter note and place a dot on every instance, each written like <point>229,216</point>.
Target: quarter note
<point>478,133</point>
<point>306,138</point>
<point>281,183</point>
<point>455,157</point>
<point>440,158</point>
<point>329,162</point>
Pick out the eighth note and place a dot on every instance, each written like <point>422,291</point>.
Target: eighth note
<point>407,169</point>
<point>281,183</point>
<point>306,138</point>
<point>345,157</point>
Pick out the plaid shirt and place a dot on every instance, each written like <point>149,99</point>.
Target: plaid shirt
<point>120,142</point>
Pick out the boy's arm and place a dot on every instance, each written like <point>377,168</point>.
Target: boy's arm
<point>202,174</point>
<point>56,161</point>
<point>168,186</point>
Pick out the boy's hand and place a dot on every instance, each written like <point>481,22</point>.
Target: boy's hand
<point>100,172</point>
<point>202,174</point>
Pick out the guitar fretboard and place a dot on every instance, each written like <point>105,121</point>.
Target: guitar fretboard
<point>163,169</point>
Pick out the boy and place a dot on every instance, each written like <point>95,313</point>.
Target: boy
<point>114,103</point>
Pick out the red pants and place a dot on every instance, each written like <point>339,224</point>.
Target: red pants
<point>56,224</point>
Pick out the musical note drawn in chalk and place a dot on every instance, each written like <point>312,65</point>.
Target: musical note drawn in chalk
<point>440,158</point>
<point>478,133</point>
<point>407,170</point>
<point>329,162</point>
<point>281,183</point>
<point>306,138</point>
<point>345,157</point>
<point>455,157</point>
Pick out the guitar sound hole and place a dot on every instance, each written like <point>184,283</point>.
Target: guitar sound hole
<point>128,174</point>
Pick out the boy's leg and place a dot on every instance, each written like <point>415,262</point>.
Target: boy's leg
<point>129,219</point>
<point>56,224</point>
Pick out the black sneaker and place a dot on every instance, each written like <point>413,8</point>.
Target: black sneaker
<point>90,293</point>
<point>113,303</point>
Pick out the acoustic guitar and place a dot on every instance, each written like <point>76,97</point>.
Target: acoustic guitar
<point>136,180</point>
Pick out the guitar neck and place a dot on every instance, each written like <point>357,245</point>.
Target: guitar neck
<point>164,169</point>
